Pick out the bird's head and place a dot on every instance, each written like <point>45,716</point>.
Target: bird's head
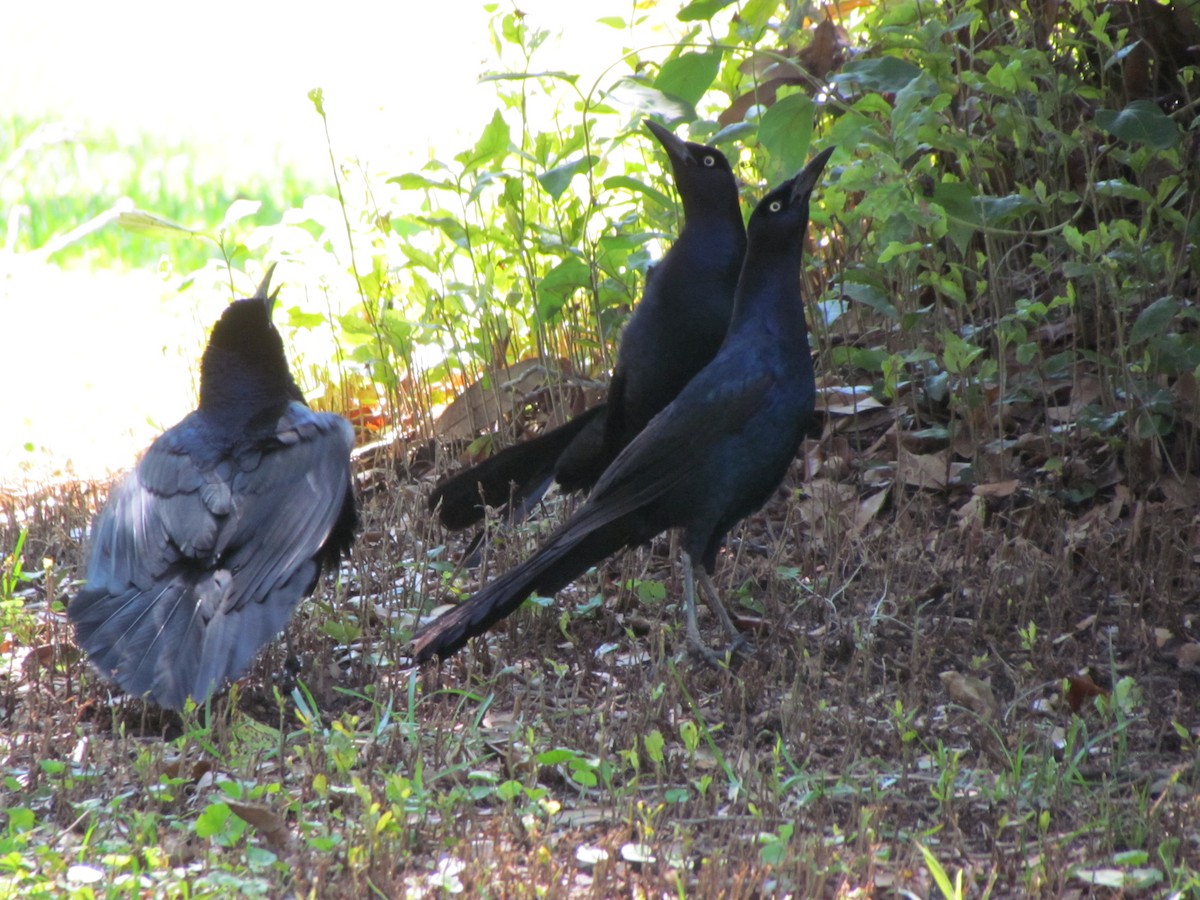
<point>245,350</point>
<point>781,217</point>
<point>699,169</point>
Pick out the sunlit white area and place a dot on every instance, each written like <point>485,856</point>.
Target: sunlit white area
<point>99,362</point>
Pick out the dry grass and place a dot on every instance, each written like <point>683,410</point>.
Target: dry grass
<point>815,769</point>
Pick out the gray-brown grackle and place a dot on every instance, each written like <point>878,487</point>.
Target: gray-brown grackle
<point>204,551</point>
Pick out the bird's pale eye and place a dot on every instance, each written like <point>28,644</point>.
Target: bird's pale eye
<point>775,206</point>
<point>710,161</point>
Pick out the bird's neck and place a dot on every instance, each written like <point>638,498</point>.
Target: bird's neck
<point>769,295</point>
<point>716,223</point>
<point>235,390</point>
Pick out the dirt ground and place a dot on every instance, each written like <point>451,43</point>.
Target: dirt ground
<point>981,667</point>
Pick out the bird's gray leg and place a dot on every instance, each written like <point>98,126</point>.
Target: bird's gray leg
<point>713,599</point>
<point>689,604</point>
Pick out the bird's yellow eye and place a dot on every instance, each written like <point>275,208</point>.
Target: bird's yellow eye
<point>710,161</point>
<point>775,206</point>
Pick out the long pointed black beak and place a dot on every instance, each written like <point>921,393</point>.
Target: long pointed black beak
<point>806,179</point>
<point>676,147</point>
<point>264,286</point>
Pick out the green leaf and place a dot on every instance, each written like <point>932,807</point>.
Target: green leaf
<point>895,248</point>
<point>957,199</point>
<point>411,181</point>
<point>555,180</point>
<point>1119,187</point>
<point>786,130</point>
<point>555,757</point>
<point>949,891</point>
<point>1141,122</point>
<point>145,223</point>
<point>492,145</point>
<point>957,354</point>
<point>1154,319</point>
<point>738,131</point>
<point>654,744</point>
<point>702,10</point>
<point>560,283</point>
<point>872,296</point>
<point>628,183</point>
<point>212,820</point>
<point>998,210</point>
<point>689,75</point>
<point>885,75</point>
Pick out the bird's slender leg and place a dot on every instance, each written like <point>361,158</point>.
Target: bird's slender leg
<point>714,603</point>
<point>693,624</point>
<point>737,640</point>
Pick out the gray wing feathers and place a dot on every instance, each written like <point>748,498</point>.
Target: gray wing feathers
<point>195,567</point>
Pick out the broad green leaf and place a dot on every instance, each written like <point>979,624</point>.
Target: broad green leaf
<point>896,248</point>
<point>1119,187</point>
<point>212,820</point>
<point>654,744</point>
<point>1154,319</point>
<point>560,283</point>
<point>885,75</point>
<point>957,354</point>
<point>555,180</point>
<point>738,131</point>
<point>999,210</point>
<point>864,358</point>
<point>297,318</point>
<point>754,15</point>
<point>957,199</point>
<point>702,10</point>
<point>786,130</point>
<point>555,757</point>
<point>492,145</point>
<point>412,181</point>
<point>628,183</point>
<point>419,257</point>
<point>1141,122</point>
<point>871,296</point>
<point>689,75</point>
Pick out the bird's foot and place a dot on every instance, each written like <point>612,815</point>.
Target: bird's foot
<point>739,648</point>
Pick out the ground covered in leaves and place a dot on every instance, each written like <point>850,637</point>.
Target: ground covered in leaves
<point>956,677</point>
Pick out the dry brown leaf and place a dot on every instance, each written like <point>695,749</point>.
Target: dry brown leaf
<point>931,471</point>
<point>270,824</point>
<point>997,488</point>
<point>868,420</point>
<point>1081,689</point>
<point>973,512</point>
<point>1188,656</point>
<point>485,402</point>
<point>848,400</point>
<point>818,56</point>
<point>825,500</point>
<point>868,509</point>
<point>970,692</point>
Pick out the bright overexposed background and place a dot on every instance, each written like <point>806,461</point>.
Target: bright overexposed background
<point>99,362</point>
